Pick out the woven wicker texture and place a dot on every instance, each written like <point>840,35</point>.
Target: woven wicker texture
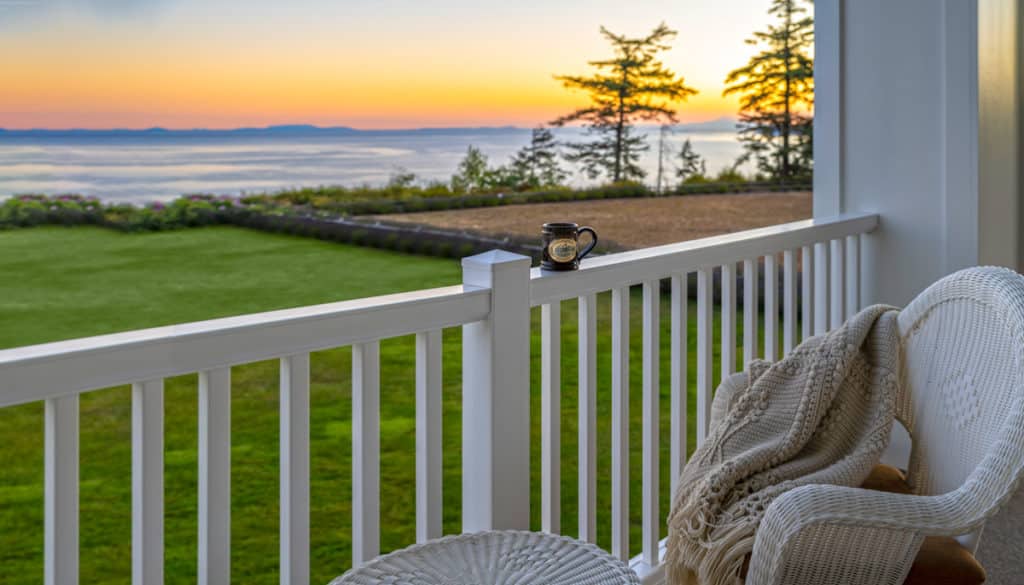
<point>963,403</point>
<point>486,558</point>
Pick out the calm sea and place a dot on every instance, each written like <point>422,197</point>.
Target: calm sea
<point>158,166</point>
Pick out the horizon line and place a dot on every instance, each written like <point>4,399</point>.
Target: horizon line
<point>301,126</point>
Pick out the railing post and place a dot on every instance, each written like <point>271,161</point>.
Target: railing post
<point>496,396</point>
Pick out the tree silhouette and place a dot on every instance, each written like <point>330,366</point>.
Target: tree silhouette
<point>536,164</point>
<point>776,90</point>
<point>691,164</point>
<point>663,133</point>
<point>631,87</point>
<point>472,174</point>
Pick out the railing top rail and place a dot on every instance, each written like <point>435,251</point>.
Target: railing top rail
<point>615,270</point>
<point>48,370</point>
<point>56,369</point>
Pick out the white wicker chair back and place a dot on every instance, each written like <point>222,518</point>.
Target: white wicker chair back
<point>963,343</point>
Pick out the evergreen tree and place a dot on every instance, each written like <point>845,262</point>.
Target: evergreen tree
<point>472,174</point>
<point>662,153</point>
<point>691,164</point>
<point>536,164</point>
<point>776,91</point>
<point>631,87</point>
<point>401,179</point>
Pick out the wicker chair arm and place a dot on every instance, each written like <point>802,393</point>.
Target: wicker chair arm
<point>832,534</point>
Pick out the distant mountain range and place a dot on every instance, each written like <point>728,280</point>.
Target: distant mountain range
<point>719,125</point>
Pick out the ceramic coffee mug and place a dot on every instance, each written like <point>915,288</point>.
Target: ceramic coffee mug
<point>562,245</point>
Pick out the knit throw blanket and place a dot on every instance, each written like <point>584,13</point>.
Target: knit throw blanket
<point>822,415</point>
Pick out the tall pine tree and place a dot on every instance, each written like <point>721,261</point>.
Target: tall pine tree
<point>633,86</point>
<point>776,91</point>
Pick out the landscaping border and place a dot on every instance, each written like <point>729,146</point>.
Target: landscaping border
<point>325,206</point>
<point>401,237</point>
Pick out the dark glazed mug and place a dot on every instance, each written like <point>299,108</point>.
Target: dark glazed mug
<point>562,245</point>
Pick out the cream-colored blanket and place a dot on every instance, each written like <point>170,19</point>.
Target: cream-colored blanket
<point>822,415</point>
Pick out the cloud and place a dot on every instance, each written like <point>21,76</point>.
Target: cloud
<point>119,8</point>
<point>17,12</point>
<point>40,12</point>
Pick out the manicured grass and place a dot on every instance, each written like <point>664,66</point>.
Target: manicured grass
<point>65,283</point>
<point>61,283</point>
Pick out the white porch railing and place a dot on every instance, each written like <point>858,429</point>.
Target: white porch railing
<point>493,306</point>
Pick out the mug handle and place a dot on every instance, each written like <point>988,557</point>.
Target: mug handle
<point>593,241</point>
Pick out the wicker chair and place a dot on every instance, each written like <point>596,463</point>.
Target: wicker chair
<point>963,405</point>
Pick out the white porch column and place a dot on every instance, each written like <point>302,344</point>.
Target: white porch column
<point>496,396</point>
<point>917,119</point>
<point>1001,133</point>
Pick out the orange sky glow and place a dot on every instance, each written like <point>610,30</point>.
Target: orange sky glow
<point>360,63</point>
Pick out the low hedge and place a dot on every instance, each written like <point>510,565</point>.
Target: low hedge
<point>329,207</point>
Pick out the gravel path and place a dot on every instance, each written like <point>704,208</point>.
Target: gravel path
<point>634,223</point>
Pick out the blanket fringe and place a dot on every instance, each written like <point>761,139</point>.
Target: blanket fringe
<point>692,563</point>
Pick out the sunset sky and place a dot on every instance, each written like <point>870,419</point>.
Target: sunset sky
<point>361,63</point>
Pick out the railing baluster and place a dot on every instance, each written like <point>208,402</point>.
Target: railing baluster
<point>587,418</point>
<point>60,486</point>
<point>365,451</point>
<point>806,292</point>
<point>704,321</point>
<point>771,308</point>
<point>680,357</point>
<point>428,435</point>
<point>620,422</point>
<point>852,275</point>
<point>148,482</point>
<point>750,301</point>
<point>215,477</point>
<point>294,466</point>
<point>651,391</point>
<point>837,286</point>
<point>728,304</point>
<point>788,301</point>
<point>551,417</point>
<point>821,296</point>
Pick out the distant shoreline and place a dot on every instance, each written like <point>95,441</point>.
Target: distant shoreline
<point>719,125</point>
<point>138,165</point>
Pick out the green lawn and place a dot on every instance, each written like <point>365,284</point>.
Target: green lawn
<point>65,283</point>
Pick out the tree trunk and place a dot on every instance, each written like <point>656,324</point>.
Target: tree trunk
<point>786,129</point>
<point>620,128</point>
<point>661,158</point>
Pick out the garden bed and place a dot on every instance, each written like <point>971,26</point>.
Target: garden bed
<point>630,223</point>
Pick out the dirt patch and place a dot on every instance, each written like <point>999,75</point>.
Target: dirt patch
<point>633,223</point>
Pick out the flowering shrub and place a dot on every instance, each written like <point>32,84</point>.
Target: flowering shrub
<point>30,210</point>
<point>186,211</point>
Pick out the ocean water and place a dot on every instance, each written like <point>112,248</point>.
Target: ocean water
<point>152,166</point>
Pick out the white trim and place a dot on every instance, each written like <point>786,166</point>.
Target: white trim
<point>828,108</point>
<point>960,135</point>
